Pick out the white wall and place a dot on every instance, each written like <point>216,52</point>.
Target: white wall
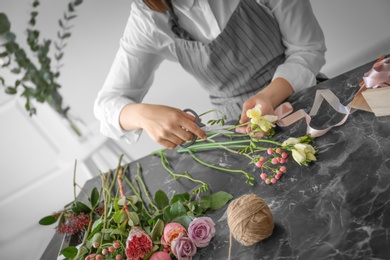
<point>356,32</point>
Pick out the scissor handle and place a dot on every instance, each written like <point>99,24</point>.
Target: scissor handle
<point>197,121</point>
<point>197,118</point>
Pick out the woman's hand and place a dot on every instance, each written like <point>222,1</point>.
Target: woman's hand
<point>269,98</point>
<point>166,125</point>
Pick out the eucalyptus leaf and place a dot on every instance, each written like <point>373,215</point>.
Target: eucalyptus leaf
<point>5,25</point>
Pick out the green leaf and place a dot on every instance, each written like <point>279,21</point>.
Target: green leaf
<point>96,237</point>
<point>95,197</point>
<point>217,200</point>
<point>183,197</point>
<point>134,217</point>
<point>69,252</point>
<point>167,216</point>
<point>48,220</point>
<point>35,3</point>
<point>157,230</point>
<point>122,201</point>
<point>161,199</point>
<point>205,202</point>
<point>120,216</point>
<point>96,226</point>
<point>184,220</point>
<point>79,207</point>
<point>70,7</point>
<point>77,2</point>
<point>10,90</point>
<point>5,25</point>
<point>177,210</point>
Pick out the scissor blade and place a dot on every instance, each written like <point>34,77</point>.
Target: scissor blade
<point>218,128</point>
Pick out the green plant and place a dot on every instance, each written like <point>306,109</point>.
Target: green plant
<point>36,77</point>
<point>108,216</point>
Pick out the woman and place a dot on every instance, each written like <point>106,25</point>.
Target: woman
<point>243,52</point>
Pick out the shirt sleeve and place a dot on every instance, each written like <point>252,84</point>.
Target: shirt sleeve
<point>304,41</point>
<point>130,76</point>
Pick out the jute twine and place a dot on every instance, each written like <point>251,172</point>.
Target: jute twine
<point>250,220</point>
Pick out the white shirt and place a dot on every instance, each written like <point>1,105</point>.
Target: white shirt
<point>148,40</point>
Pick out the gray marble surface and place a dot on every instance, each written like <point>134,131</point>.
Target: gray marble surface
<point>335,208</point>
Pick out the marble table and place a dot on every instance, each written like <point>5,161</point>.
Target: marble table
<point>335,208</point>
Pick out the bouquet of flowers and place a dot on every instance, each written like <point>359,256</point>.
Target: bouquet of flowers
<point>115,226</point>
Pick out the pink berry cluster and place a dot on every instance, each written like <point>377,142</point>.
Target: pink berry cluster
<point>109,251</point>
<point>272,165</point>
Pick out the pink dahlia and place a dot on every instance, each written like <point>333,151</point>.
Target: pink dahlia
<point>138,244</point>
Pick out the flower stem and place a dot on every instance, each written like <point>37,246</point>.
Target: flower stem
<point>249,176</point>
<point>176,176</point>
<point>144,187</point>
<point>122,193</point>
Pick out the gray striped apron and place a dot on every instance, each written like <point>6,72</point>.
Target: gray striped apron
<point>239,62</point>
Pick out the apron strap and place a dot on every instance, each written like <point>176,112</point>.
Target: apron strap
<point>173,22</point>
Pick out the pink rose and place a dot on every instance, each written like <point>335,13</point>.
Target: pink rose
<point>160,256</point>
<point>201,230</point>
<point>171,231</point>
<point>183,248</point>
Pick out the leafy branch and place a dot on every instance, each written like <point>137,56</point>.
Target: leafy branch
<point>36,79</point>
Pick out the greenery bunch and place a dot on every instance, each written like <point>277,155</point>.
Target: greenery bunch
<point>36,77</point>
<point>112,214</point>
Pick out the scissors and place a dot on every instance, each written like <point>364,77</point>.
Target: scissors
<point>213,128</point>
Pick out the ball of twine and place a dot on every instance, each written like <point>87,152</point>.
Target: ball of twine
<point>250,219</point>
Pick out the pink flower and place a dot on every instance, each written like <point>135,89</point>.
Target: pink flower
<point>171,231</point>
<point>138,244</point>
<point>160,256</point>
<point>201,230</point>
<point>183,248</point>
